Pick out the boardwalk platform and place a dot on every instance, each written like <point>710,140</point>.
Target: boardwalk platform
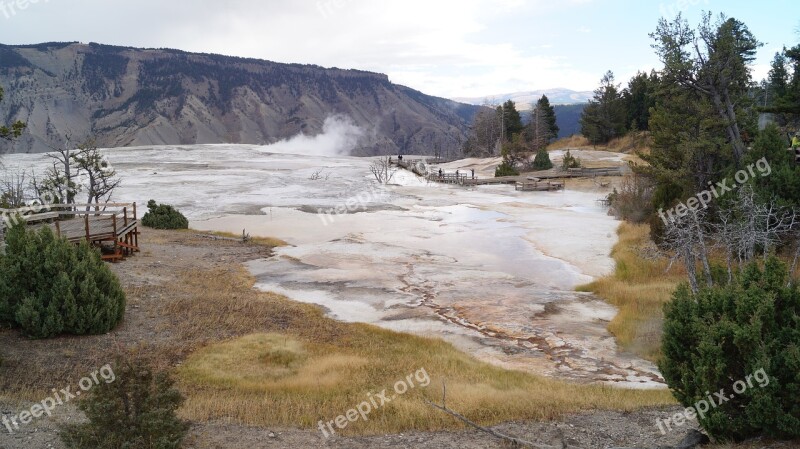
<point>538,185</point>
<point>114,229</point>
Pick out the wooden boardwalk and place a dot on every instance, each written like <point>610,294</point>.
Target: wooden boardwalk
<point>534,181</point>
<point>115,229</point>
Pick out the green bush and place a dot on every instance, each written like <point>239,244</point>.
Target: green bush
<point>725,334</point>
<point>135,411</point>
<point>162,216</point>
<point>542,160</point>
<point>570,161</point>
<point>49,286</point>
<point>505,169</point>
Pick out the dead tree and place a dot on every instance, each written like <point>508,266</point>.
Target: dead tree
<point>61,179</point>
<point>14,190</point>
<point>686,236</point>
<point>100,178</point>
<point>382,169</point>
<point>750,226</point>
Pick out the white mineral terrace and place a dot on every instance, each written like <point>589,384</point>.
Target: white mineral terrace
<point>491,270</point>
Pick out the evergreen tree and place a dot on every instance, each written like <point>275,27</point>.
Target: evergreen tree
<point>779,77</point>
<point>741,339</point>
<point>713,61</point>
<point>542,160</point>
<point>12,131</point>
<point>137,410</point>
<point>783,183</point>
<point>688,148</point>
<point>639,97</point>
<point>512,120</point>
<point>604,117</point>
<point>164,216</point>
<point>50,287</point>
<point>549,115</point>
<point>570,161</point>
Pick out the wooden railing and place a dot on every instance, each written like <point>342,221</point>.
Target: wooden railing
<point>110,218</point>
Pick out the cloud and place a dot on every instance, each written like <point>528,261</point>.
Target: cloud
<point>338,138</point>
<point>444,47</point>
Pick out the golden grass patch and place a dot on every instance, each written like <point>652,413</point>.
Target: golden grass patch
<point>575,141</point>
<point>282,363</point>
<point>639,288</point>
<point>633,141</point>
<point>269,242</point>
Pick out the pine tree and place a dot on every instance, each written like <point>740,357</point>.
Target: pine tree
<point>639,97</point>
<point>163,216</point>
<point>713,62</point>
<point>728,334</point>
<point>549,116</point>
<point>136,410</point>
<point>604,117</point>
<point>542,160</point>
<point>512,120</point>
<point>10,132</point>
<point>50,287</point>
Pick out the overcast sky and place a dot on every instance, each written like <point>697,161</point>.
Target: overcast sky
<point>450,48</point>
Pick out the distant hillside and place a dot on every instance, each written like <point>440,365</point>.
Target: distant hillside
<point>568,117</point>
<point>127,96</point>
<point>524,100</point>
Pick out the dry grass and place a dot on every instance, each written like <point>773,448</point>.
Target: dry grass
<point>269,242</point>
<point>639,288</point>
<point>635,141</point>
<point>282,363</point>
<point>576,141</point>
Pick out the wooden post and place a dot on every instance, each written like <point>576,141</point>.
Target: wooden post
<point>116,239</point>
<point>86,224</point>
<point>135,217</point>
<point>125,214</point>
<point>58,228</point>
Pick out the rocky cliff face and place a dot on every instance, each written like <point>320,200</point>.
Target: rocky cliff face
<point>126,96</point>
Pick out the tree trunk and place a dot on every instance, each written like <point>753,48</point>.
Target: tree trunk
<point>691,270</point>
<point>703,254</point>
<point>727,112</point>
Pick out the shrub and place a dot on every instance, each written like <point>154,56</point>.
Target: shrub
<point>505,169</point>
<point>633,201</point>
<point>570,161</point>
<point>726,334</point>
<point>162,216</point>
<point>542,160</point>
<point>135,411</point>
<point>49,286</point>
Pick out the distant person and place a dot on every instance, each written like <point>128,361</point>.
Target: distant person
<point>796,141</point>
<point>473,173</point>
<point>441,173</point>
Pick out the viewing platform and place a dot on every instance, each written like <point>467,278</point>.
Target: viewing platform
<point>111,227</point>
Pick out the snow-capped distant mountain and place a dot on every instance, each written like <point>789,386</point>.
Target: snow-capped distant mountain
<point>524,100</point>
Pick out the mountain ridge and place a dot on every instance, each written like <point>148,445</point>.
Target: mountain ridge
<point>127,96</point>
<point>524,99</point>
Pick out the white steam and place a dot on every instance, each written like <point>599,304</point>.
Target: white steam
<point>338,138</point>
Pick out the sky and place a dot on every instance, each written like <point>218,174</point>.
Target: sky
<point>448,48</point>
